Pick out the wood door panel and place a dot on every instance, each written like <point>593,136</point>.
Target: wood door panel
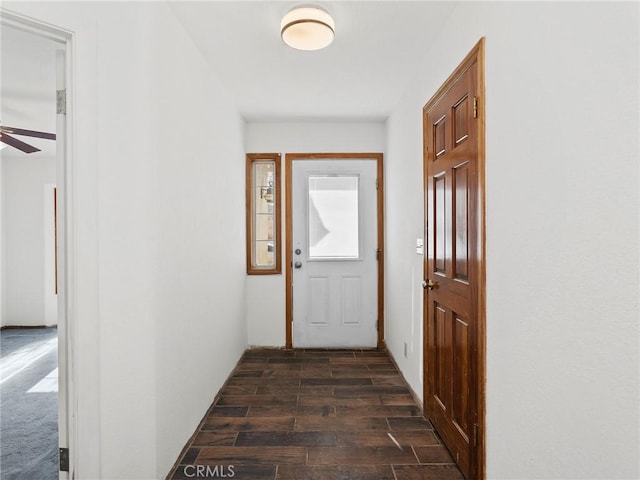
<point>450,362</point>
<point>440,360</point>
<point>439,137</point>
<point>461,120</point>
<point>440,220</point>
<point>461,222</point>
<point>453,264</point>
<point>453,440</point>
<point>461,359</point>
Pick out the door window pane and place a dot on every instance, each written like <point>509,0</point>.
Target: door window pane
<point>333,217</point>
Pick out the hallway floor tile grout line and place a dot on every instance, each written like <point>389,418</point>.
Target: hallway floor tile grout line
<point>308,414</point>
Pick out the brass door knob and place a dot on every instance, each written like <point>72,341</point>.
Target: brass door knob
<point>429,284</point>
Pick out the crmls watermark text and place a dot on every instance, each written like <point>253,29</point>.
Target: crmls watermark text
<point>209,471</point>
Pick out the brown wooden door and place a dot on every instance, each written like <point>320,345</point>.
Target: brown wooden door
<point>454,332</point>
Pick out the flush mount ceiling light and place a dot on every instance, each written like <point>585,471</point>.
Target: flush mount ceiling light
<point>307,28</point>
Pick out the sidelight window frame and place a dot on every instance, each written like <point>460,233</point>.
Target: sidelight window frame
<point>267,194</point>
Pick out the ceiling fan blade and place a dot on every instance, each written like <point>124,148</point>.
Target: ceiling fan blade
<point>14,142</point>
<point>28,133</point>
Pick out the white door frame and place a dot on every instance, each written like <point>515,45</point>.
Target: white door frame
<point>67,395</point>
<point>288,266</point>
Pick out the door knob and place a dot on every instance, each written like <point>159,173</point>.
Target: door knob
<point>430,284</point>
<point>298,264</point>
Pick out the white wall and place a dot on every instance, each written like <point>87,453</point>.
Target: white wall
<point>562,232</point>
<point>198,266</point>
<point>266,293</point>
<point>158,306</point>
<point>23,221</point>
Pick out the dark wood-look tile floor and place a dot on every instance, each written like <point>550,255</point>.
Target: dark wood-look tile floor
<point>315,414</point>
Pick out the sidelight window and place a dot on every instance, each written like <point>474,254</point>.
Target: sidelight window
<point>263,214</point>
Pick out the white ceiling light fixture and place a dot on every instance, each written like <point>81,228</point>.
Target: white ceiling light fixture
<point>307,28</point>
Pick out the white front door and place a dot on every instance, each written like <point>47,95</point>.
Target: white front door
<point>335,269</point>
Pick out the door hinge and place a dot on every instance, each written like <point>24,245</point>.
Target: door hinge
<point>476,428</point>
<point>475,107</point>
<point>61,102</point>
<point>377,184</point>
<point>378,253</point>
<point>64,459</point>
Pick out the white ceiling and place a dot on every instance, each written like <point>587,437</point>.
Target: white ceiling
<point>360,76</point>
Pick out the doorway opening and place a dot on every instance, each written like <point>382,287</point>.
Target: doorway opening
<point>33,241</point>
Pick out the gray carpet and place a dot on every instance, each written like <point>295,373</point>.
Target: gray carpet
<point>28,420</point>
